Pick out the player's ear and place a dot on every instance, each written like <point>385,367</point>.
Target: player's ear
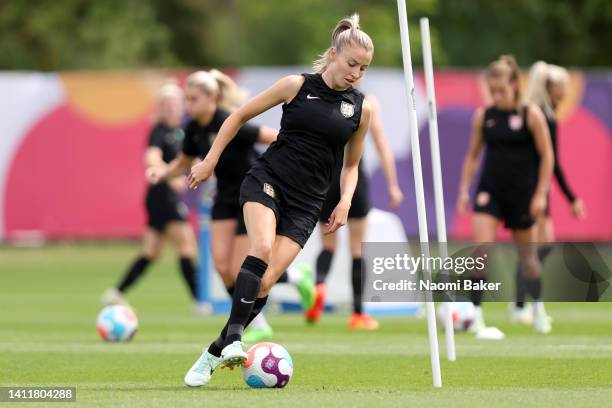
<point>333,53</point>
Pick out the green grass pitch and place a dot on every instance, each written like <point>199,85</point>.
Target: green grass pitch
<point>49,299</point>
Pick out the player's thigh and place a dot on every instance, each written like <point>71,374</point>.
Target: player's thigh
<point>183,237</point>
<point>283,253</point>
<point>222,234</point>
<point>260,223</point>
<point>328,241</point>
<point>545,229</point>
<point>152,243</point>
<point>484,227</point>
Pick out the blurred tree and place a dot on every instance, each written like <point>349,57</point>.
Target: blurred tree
<point>69,34</point>
<point>280,32</point>
<point>569,32</point>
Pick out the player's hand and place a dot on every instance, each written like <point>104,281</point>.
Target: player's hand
<point>200,173</point>
<point>338,218</point>
<point>395,197</point>
<point>462,202</point>
<point>578,209</point>
<point>538,205</point>
<point>154,174</point>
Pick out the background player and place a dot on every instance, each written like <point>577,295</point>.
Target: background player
<point>546,87</point>
<point>515,176</point>
<point>166,212</point>
<point>205,92</point>
<point>360,207</point>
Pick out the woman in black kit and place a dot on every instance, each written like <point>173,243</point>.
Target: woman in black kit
<point>283,193</point>
<point>357,225</point>
<point>514,182</point>
<point>546,87</point>
<point>205,93</point>
<point>166,212</point>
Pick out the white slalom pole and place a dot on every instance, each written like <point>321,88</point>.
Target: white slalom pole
<point>420,193</point>
<point>437,174</point>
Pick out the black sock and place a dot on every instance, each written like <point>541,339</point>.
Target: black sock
<point>189,274</point>
<point>230,290</point>
<point>357,280</point>
<point>323,263</point>
<point>216,346</point>
<point>476,295</point>
<point>521,288</point>
<point>284,278</point>
<point>135,272</point>
<point>245,295</point>
<point>257,308</point>
<point>534,287</point>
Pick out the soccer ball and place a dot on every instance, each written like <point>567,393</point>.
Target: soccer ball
<point>462,313</point>
<point>268,366</point>
<point>117,323</point>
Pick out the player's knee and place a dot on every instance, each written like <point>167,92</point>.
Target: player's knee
<point>531,266</point>
<point>266,285</point>
<point>261,250</point>
<point>151,255</point>
<point>222,266</point>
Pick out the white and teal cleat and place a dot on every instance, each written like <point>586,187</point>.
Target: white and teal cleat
<point>233,355</point>
<point>202,370</point>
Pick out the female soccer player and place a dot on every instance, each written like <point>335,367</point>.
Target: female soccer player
<point>515,176</point>
<point>259,330</point>
<point>205,92</point>
<point>360,207</point>
<point>165,210</point>
<point>546,87</point>
<point>283,193</point>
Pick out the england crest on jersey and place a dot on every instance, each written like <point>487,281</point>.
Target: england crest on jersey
<point>347,109</point>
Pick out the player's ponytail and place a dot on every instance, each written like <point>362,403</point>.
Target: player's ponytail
<point>541,75</point>
<point>346,31</point>
<point>231,96</point>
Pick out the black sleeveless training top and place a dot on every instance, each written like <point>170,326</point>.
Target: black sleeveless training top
<point>315,127</point>
<point>511,162</point>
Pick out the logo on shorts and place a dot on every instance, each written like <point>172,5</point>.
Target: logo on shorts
<point>269,190</point>
<point>490,123</point>
<point>347,109</point>
<point>515,122</point>
<point>483,198</point>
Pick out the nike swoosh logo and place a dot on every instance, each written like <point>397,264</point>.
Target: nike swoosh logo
<point>312,97</point>
<point>246,301</point>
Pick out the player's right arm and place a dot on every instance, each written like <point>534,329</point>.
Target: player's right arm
<point>282,91</point>
<point>179,166</point>
<point>470,162</point>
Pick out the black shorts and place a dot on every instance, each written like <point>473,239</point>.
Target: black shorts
<point>512,208</point>
<point>224,210</point>
<point>360,205</point>
<point>163,206</point>
<point>296,217</point>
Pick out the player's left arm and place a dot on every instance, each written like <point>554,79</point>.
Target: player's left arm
<point>387,161</point>
<point>539,129</point>
<point>350,171</point>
